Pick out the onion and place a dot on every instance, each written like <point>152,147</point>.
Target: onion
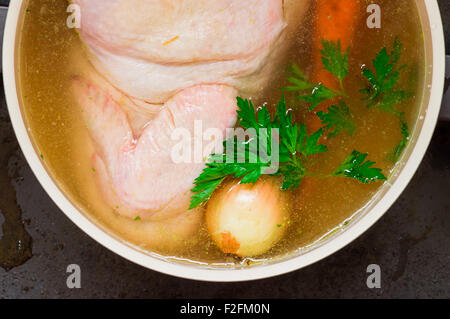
<point>247,219</point>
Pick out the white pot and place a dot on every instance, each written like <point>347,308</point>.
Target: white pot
<point>420,138</point>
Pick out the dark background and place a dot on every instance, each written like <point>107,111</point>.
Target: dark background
<point>410,243</point>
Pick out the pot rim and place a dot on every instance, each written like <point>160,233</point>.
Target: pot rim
<point>189,271</point>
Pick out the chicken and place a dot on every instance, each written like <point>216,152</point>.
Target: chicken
<point>152,49</point>
<point>163,65</point>
<point>142,172</point>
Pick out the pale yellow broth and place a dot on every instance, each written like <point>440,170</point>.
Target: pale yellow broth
<point>52,54</point>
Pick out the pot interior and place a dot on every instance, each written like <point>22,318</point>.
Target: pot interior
<point>421,123</point>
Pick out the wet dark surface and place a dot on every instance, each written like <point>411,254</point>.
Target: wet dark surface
<point>15,242</point>
<point>410,243</point>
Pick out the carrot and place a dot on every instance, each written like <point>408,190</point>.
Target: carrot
<point>336,21</point>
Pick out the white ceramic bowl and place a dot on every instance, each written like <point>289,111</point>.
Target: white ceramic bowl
<point>435,66</point>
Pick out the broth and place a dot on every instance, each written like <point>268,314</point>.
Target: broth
<point>47,65</point>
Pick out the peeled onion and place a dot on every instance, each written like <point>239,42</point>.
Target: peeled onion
<point>247,219</point>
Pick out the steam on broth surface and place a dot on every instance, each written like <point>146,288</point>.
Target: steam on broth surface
<point>51,55</point>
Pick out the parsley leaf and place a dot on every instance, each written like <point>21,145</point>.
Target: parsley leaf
<point>293,173</point>
<point>308,144</point>
<point>287,129</point>
<point>301,143</point>
<point>392,98</point>
<point>204,188</point>
<point>217,169</point>
<point>296,145</point>
<point>247,164</point>
<point>337,119</point>
<point>380,91</point>
<point>298,80</point>
<point>294,142</point>
<point>246,113</point>
<point>355,166</point>
<point>395,155</point>
<point>334,60</point>
<point>319,94</point>
<point>311,93</point>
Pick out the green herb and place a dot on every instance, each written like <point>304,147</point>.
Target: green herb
<point>246,113</point>
<point>298,80</point>
<point>334,60</point>
<point>381,92</point>
<point>309,144</point>
<point>219,167</point>
<point>294,137</point>
<point>337,119</point>
<point>295,146</point>
<point>314,94</point>
<point>42,156</point>
<point>397,152</point>
<point>355,166</point>
<point>138,218</point>
<point>300,146</point>
<point>294,142</point>
<point>211,177</point>
<point>293,173</point>
<point>319,94</point>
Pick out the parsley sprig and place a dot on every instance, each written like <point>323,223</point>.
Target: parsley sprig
<point>383,93</point>
<point>246,163</point>
<point>337,119</point>
<point>298,80</point>
<point>295,144</point>
<point>356,167</point>
<point>335,61</point>
<point>319,94</point>
<point>295,147</point>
